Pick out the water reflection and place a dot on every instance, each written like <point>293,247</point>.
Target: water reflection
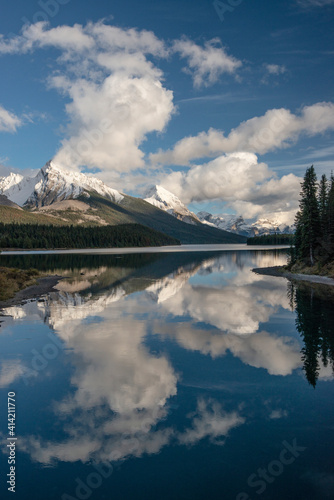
<point>315,323</point>
<point>121,390</point>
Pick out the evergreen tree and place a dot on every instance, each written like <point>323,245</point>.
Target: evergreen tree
<point>330,214</point>
<point>323,205</point>
<point>308,223</point>
<point>40,236</point>
<point>297,254</point>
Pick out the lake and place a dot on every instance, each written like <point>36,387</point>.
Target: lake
<point>178,375</point>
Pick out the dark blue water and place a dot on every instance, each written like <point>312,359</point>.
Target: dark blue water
<point>169,376</point>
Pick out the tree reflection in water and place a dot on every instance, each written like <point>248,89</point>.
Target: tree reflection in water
<point>314,305</point>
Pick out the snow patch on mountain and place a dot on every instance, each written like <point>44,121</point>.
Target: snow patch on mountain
<point>167,201</point>
<point>17,188</point>
<point>11,180</point>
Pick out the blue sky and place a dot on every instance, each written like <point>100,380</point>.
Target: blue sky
<point>157,87</point>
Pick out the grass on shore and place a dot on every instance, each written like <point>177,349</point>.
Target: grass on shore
<point>13,280</point>
<point>318,269</point>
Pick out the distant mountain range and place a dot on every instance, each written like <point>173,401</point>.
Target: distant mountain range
<point>236,224</point>
<point>56,196</point>
<point>160,197</point>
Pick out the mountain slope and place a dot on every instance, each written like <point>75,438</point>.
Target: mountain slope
<point>5,202</point>
<point>10,215</point>
<point>137,210</point>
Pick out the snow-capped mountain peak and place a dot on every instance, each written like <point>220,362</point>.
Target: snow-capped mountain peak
<point>51,184</point>
<point>159,196</point>
<point>167,201</point>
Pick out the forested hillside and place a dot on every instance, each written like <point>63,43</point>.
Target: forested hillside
<point>271,239</point>
<point>29,236</point>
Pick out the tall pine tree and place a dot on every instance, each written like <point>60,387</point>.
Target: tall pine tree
<point>330,214</point>
<point>323,205</point>
<point>308,221</point>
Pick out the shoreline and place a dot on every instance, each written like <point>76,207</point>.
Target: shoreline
<point>44,285</point>
<point>162,249</point>
<point>280,272</point>
<point>47,284</point>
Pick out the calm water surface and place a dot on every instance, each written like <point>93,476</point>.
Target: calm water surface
<point>178,376</point>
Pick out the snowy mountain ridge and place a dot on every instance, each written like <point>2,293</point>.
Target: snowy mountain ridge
<point>167,201</point>
<point>53,184</point>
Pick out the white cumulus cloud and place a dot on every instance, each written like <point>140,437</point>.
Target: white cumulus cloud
<point>9,122</point>
<point>277,128</point>
<point>117,95</point>
<point>206,64</point>
<point>248,186</point>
